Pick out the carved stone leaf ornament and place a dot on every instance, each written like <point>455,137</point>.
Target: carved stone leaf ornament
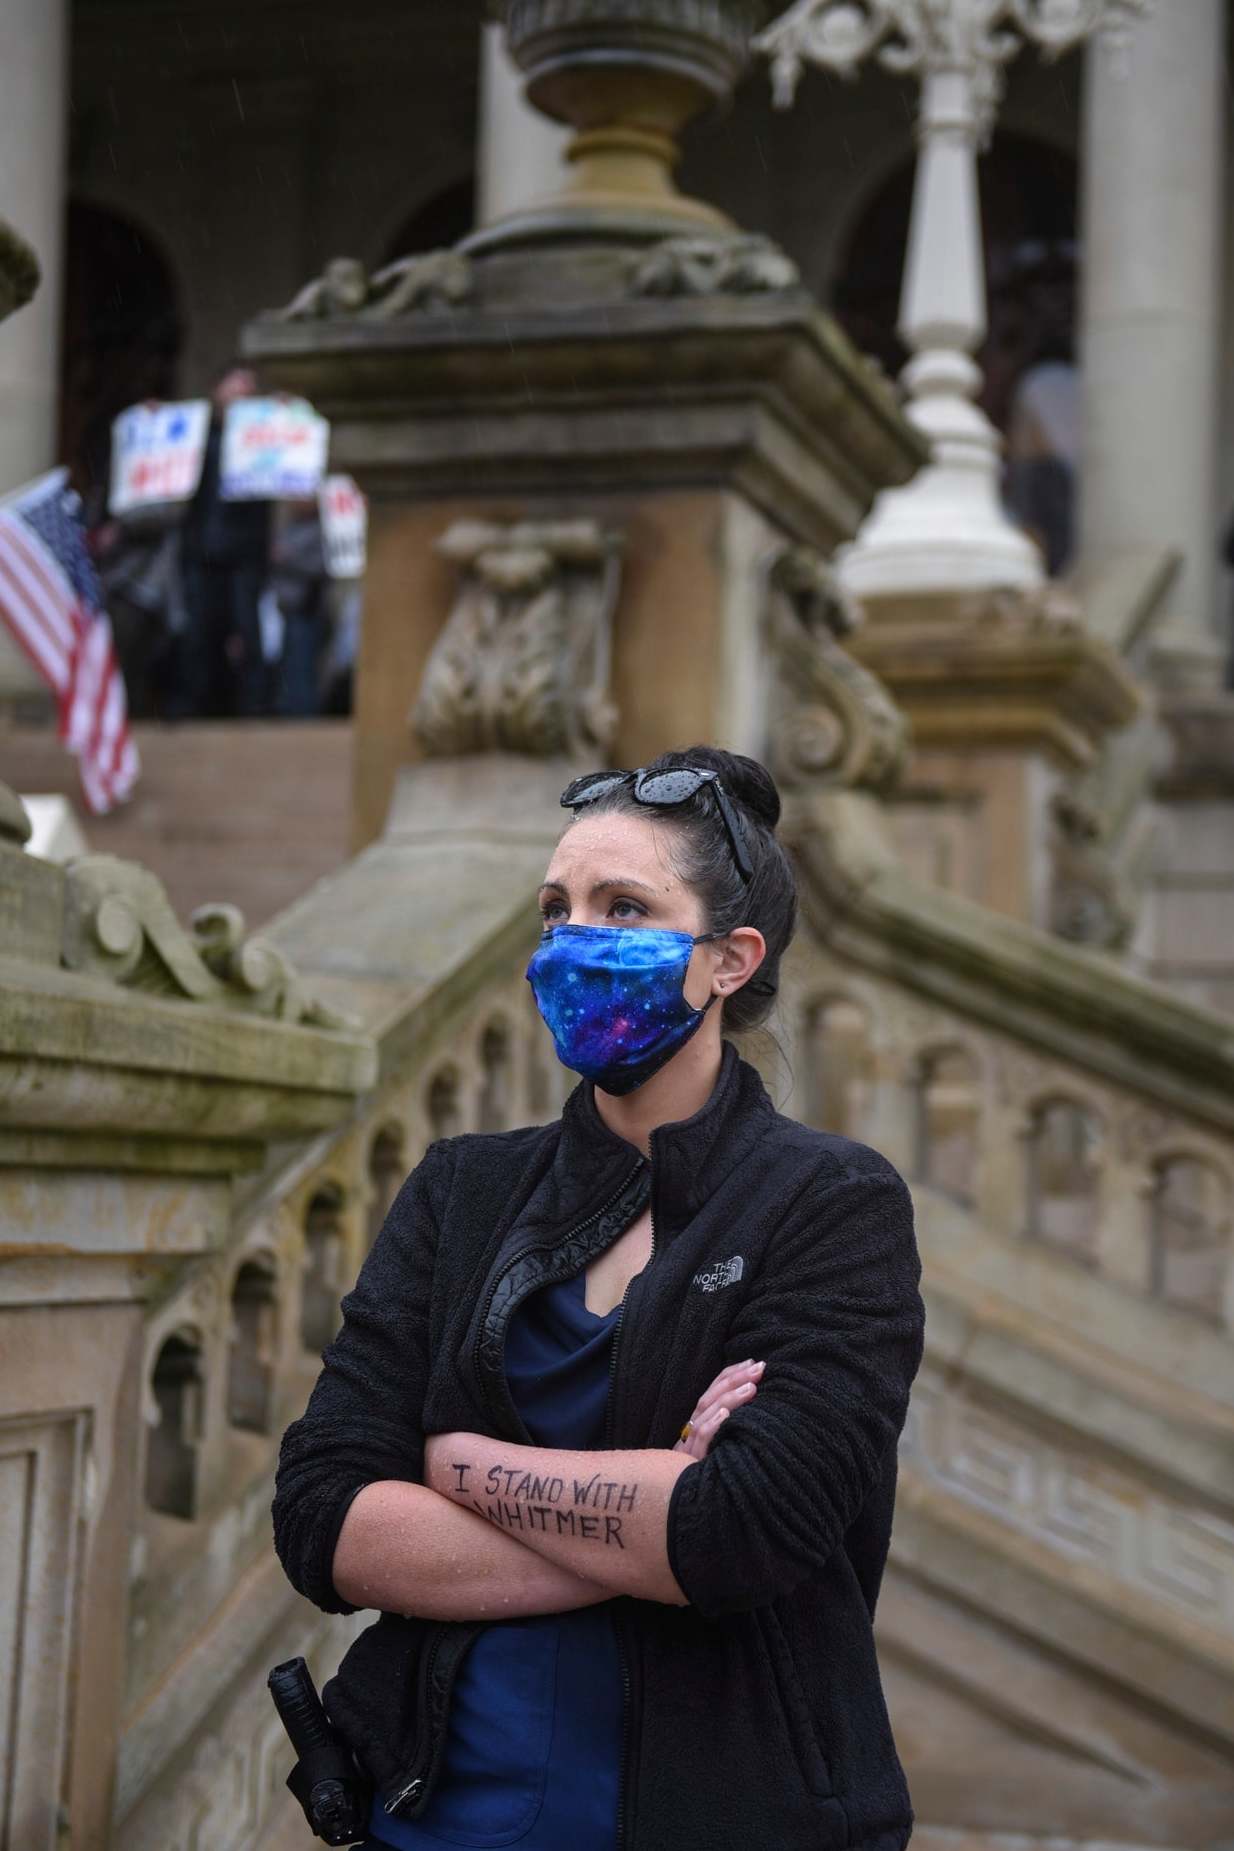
<point>523,662</point>
<point>832,720</point>
<point>914,36</point>
<point>702,266</point>
<point>120,925</point>
<point>432,281</point>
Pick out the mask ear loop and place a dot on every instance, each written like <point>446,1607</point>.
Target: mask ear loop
<point>705,938</point>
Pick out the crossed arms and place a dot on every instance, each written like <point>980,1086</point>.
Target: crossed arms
<point>368,1512</point>
<point>503,1532</point>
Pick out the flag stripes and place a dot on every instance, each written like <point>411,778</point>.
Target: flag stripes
<point>51,603</point>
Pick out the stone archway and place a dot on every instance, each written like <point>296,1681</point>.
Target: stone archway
<point>438,222</point>
<point>123,331</point>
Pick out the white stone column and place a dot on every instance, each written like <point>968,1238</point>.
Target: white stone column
<point>946,532</point>
<point>520,151</point>
<point>1153,170</point>
<point>33,132</point>
<point>33,122</point>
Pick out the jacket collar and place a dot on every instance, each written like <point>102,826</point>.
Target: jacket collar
<point>689,1158</point>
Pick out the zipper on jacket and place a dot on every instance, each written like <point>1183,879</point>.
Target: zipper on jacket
<point>415,1783</point>
<point>624,1780</point>
<point>621,1318</point>
<point>422,1772</point>
<point>409,1793</point>
<point>515,1259</point>
<point>623,1659</point>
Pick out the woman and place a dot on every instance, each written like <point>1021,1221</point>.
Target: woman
<point>609,1432</point>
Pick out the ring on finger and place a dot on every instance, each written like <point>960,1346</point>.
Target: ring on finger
<point>687,1430</point>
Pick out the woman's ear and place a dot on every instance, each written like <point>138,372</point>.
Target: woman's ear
<point>740,954</point>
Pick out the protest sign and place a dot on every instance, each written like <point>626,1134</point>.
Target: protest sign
<point>274,449</point>
<point>344,526</point>
<point>157,453</point>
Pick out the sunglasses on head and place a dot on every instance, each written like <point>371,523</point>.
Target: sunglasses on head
<point>661,790</point>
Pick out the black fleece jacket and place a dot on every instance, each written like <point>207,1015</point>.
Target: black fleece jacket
<point>754,1715</point>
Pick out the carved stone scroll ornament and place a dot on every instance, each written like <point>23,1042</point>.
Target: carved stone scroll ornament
<point>910,37</point>
<point>522,664</point>
<point>832,721</point>
<point>702,266</point>
<point>119,925</point>
<point>432,281</point>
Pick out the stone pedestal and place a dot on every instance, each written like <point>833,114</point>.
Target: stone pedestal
<point>691,400</point>
<point>1009,701</point>
<point>587,432</point>
<point>136,1086</point>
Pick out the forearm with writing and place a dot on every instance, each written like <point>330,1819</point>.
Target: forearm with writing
<point>405,1549</point>
<point>599,1514</point>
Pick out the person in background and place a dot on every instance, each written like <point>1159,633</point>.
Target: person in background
<point>1043,434</point>
<point>224,549</point>
<point>138,562</point>
<point>345,601</point>
<point>299,585</point>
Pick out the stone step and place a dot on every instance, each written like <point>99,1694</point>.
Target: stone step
<point>247,811</point>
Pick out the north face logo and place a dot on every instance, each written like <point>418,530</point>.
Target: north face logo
<point>728,1272</point>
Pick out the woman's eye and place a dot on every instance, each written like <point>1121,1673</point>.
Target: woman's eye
<point>627,909</point>
<point>552,912</point>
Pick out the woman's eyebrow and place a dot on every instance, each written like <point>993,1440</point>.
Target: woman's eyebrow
<point>624,882</point>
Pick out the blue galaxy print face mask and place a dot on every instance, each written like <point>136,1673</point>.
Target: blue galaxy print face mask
<point>613,1000</point>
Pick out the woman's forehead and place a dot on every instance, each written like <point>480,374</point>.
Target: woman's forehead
<point>599,847</point>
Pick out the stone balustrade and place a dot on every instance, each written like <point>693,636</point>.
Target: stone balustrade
<point>230,1356</point>
<point>1035,1150</point>
<point>1066,1131</point>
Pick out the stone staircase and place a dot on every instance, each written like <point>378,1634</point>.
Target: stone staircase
<point>1057,1626</point>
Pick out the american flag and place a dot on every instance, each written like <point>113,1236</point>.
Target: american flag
<point>51,600</point>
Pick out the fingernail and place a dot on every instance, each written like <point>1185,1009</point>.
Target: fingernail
<point>758,1365</point>
<point>747,1388</point>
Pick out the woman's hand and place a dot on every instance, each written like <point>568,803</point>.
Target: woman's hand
<point>732,1388</point>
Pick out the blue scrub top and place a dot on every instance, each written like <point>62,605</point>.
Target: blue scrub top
<point>533,1750</point>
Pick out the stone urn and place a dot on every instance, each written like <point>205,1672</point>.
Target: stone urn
<point>626,75</point>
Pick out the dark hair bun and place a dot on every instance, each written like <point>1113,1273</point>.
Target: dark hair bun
<point>745,780</point>
<point>704,858</point>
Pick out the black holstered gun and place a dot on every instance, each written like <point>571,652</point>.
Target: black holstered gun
<point>331,1789</point>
